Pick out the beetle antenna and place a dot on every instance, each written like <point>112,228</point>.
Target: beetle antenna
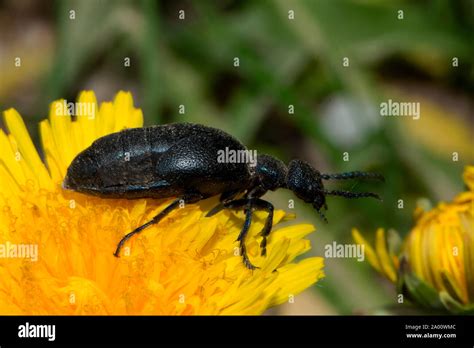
<point>348,194</point>
<point>353,175</point>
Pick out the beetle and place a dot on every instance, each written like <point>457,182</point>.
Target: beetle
<point>180,160</point>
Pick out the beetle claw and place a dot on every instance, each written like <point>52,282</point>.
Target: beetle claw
<point>249,265</point>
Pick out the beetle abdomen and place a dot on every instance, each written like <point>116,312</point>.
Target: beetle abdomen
<point>157,161</point>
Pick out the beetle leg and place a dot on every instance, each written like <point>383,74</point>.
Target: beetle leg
<point>252,203</point>
<point>267,228</point>
<point>215,210</point>
<point>226,197</point>
<point>261,205</point>
<point>243,234</point>
<point>235,204</point>
<point>247,204</point>
<point>256,192</point>
<point>156,219</point>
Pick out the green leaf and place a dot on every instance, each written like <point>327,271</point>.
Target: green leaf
<point>454,306</point>
<point>417,290</point>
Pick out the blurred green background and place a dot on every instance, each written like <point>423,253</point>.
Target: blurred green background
<point>282,62</point>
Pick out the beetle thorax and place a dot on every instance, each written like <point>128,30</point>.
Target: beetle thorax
<point>270,172</point>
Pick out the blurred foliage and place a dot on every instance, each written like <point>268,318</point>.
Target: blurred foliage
<point>282,62</point>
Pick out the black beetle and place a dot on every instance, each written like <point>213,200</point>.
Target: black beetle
<point>180,160</point>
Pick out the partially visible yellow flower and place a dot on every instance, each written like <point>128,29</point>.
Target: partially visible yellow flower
<point>437,255</point>
<point>184,265</point>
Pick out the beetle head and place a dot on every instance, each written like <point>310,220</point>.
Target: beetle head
<point>306,183</point>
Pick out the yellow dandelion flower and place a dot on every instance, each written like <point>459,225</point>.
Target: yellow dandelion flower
<point>184,265</point>
<point>436,262</point>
